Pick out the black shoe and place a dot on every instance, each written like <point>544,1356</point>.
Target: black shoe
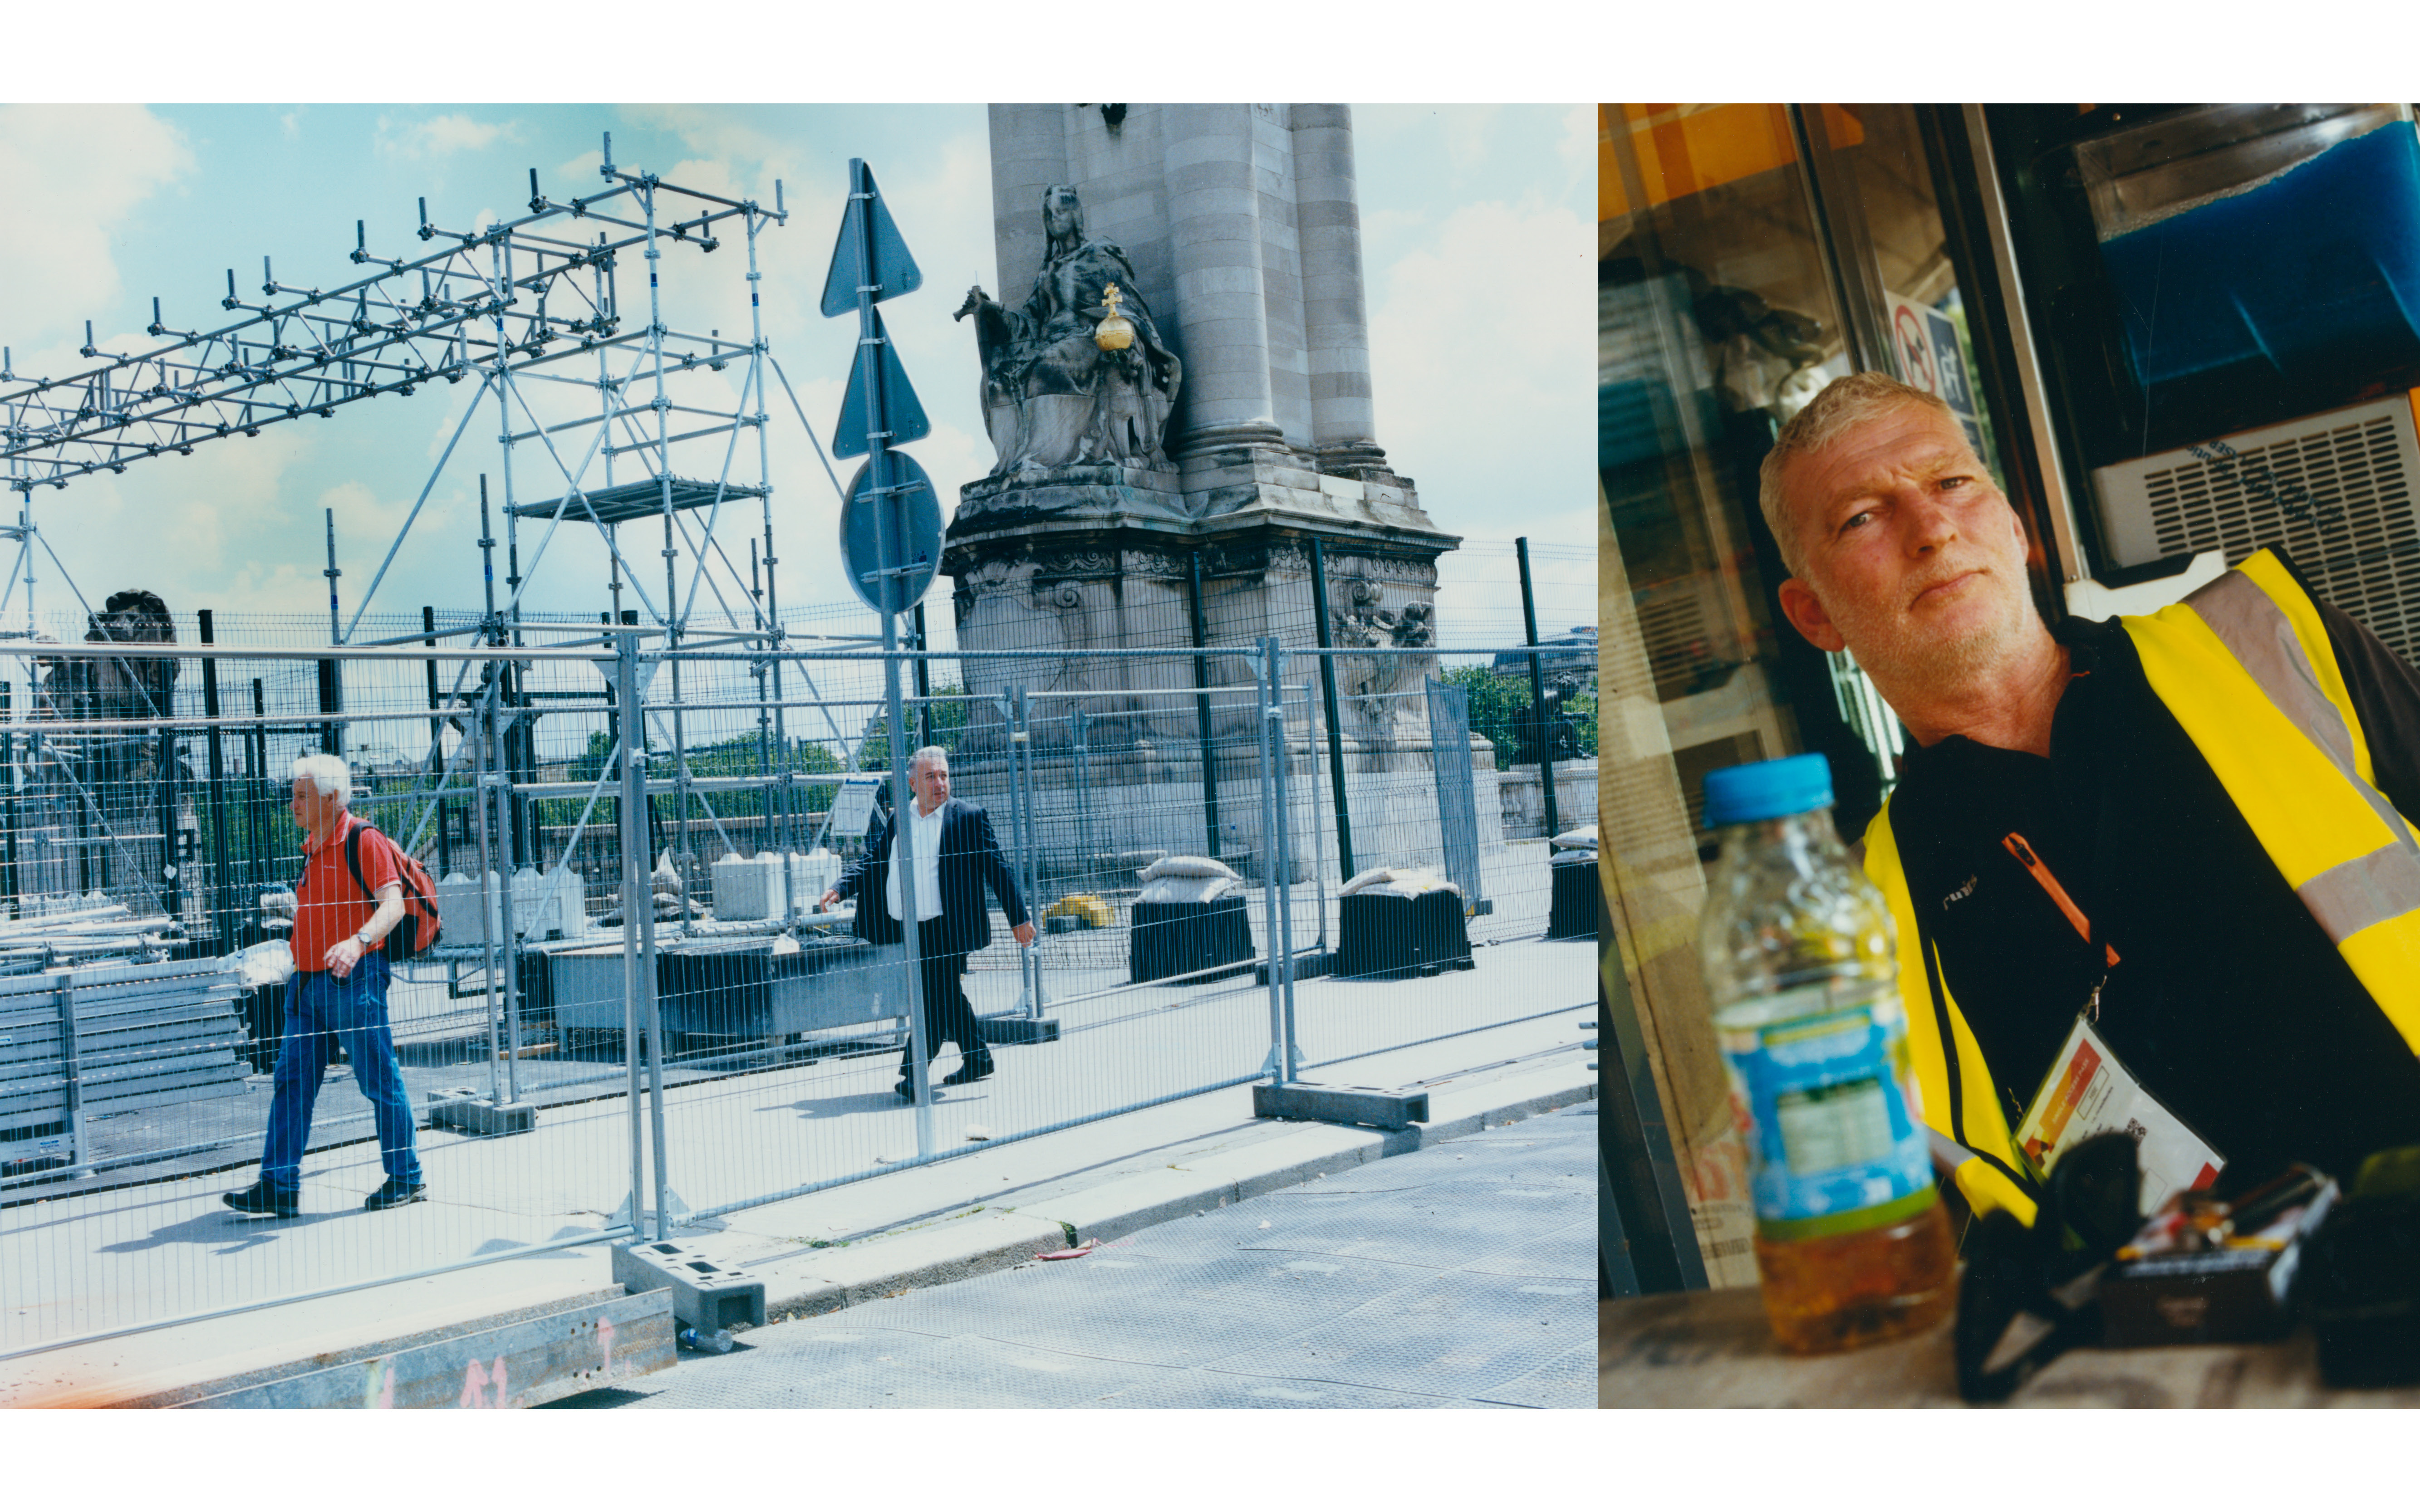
<point>262,1200</point>
<point>972,1071</point>
<point>907,1091</point>
<point>394,1195</point>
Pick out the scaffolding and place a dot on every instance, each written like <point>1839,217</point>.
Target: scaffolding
<point>634,424</point>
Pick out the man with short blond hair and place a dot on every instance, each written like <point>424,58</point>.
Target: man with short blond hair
<point>2186,827</point>
<point>337,996</point>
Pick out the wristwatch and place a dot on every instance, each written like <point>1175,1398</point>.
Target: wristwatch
<point>363,940</point>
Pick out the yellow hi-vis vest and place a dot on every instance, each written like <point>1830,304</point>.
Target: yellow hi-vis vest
<point>2244,666</point>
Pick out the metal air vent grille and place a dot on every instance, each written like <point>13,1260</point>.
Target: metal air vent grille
<point>2335,490</point>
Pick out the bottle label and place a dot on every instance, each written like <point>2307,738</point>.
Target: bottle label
<point>1838,1148</point>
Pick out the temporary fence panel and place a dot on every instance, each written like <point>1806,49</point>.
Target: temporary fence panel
<point>641,1010</point>
<point>1456,783</point>
<point>141,1049</point>
<point>1446,933</point>
<point>788,1049</point>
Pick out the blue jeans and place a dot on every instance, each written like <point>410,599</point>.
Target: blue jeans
<point>321,1012</point>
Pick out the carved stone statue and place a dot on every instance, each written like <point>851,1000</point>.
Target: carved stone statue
<point>131,688</point>
<point>1078,371</point>
<point>1384,711</point>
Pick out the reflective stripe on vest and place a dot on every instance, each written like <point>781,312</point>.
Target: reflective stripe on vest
<point>1962,1116</point>
<point>2246,668</point>
<point>2366,889</point>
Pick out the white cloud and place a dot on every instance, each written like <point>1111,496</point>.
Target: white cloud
<point>1481,370</point>
<point>74,172</point>
<point>440,135</point>
<point>1577,147</point>
<point>200,530</point>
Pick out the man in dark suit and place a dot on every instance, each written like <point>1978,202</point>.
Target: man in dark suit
<point>955,855</point>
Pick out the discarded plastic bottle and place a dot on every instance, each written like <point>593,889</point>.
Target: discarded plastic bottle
<point>1852,1241</point>
<point>718,1342</point>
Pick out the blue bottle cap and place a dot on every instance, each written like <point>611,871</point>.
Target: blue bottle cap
<point>1768,790</point>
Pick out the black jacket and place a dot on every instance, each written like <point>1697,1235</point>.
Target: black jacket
<point>2229,1001</point>
<point>970,857</point>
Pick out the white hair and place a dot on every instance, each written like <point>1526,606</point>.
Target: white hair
<point>926,756</point>
<point>327,773</point>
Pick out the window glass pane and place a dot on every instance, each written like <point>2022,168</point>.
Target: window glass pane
<point>1930,339</point>
<point>1715,323</point>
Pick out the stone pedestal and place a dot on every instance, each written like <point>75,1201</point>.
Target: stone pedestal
<point>1095,836</point>
<point>1110,567</point>
<point>1239,225</point>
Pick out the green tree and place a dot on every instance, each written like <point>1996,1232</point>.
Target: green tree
<point>949,720</point>
<point>1499,709</point>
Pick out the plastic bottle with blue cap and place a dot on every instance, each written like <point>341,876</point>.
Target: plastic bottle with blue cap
<point>1853,1244</point>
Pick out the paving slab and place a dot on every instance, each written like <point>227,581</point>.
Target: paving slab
<point>1246,1305</point>
<point>932,1233</point>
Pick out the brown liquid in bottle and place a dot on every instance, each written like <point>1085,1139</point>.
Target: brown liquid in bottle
<point>1847,1290</point>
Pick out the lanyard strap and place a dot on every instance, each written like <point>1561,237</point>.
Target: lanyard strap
<point>1955,1071</point>
<point>2017,847</point>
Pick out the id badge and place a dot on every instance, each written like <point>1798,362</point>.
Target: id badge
<point>2089,1091</point>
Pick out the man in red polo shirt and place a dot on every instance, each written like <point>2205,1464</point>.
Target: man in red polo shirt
<point>338,996</point>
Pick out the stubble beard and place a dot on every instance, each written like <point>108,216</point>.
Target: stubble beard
<point>1904,655</point>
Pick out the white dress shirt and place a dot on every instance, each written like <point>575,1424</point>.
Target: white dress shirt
<point>928,864</point>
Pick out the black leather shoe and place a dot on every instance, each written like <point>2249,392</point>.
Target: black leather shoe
<point>907,1091</point>
<point>261,1200</point>
<point>973,1070</point>
<point>394,1195</point>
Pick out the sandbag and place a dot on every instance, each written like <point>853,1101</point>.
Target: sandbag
<point>1398,881</point>
<point>265,965</point>
<point>1188,866</point>
<point>1189,889</point>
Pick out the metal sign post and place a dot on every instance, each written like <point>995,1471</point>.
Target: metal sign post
<point>1538,691</point>
<point>631,817</point>
<point>1028,845</point>
<point>870,263</point>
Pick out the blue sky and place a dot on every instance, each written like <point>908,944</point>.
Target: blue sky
<point>1477,241</point>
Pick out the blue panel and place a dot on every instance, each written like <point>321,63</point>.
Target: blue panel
<point>2312,275</point>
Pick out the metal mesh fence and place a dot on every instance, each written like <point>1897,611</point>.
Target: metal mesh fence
<point>639,1003</point>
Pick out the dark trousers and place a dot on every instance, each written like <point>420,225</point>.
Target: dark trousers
<point>948,1015</point>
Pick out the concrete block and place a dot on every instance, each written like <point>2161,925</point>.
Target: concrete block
<point>745,886</point>
<point>706,1296</point>
<point>458,905</point>
<point>1383,1108</point>
<point>1009,1030</point>
<point>472,1112</point>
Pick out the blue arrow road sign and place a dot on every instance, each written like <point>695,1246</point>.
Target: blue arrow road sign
<point>903,413</point>
<point>894,270</point>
